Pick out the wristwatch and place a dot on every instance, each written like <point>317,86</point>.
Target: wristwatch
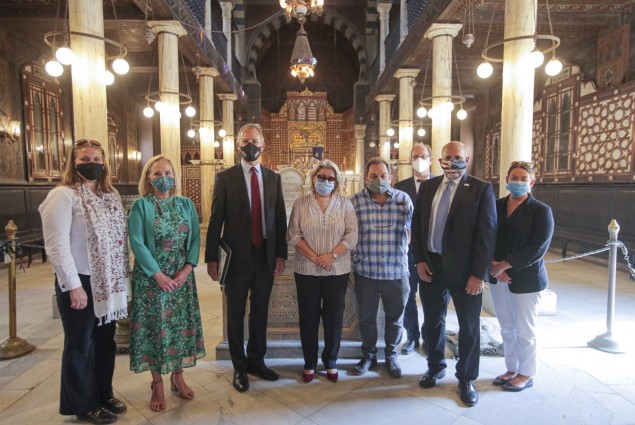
<point>334,254</point>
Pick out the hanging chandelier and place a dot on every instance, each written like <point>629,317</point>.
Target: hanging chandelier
<point>302,60</point>
<point>299,9</point>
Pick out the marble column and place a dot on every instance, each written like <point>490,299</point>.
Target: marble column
<point>403,21</point>
<point>383,8</point>
<point>206,138</point>
<point>208,21</point>
<point>384,123</point>
<point>168,33</point>
<point>360,136</point>
<point>227,7</point>
<point>406,87</point>
<point>90,112</point>
<point>228,100</point>
<point>441,36</point>
<point>518,87</point>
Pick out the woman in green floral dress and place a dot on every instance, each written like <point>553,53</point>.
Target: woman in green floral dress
<point>166,333</point>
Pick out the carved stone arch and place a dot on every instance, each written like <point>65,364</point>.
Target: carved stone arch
<point>330,18</point>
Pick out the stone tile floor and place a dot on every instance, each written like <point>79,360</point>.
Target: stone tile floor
<point>575,384</point>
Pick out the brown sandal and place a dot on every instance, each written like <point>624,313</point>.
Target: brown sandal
<point>186,394</point>
<point>157,404</point>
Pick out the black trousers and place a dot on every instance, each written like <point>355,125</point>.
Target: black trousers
<point>435,296</point>
<point>88,360</point>
<point>251,279</point>
<point>321,297</point>
<point>411,313</point>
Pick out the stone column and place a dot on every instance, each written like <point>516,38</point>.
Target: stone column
<point>518,87</point>
<point>384,123</point>
<point>383,8</point>
<point>206,138</point>
<point>228,100</point>
<point>90,112</point>
<point>406,85</point>
<point>441,36</point>
<point>208,21</point>
<point>403,20</point>
<point>360,136</point>
<point>227,7</point>
<point>168,33</point>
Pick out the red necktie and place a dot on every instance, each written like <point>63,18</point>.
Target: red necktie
<point>256,212</point>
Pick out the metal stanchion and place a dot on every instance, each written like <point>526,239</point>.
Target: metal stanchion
<point>13,346</point>
<point>606,342</point>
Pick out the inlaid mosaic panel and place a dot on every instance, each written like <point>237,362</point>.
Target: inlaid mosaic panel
<point>605,136</point>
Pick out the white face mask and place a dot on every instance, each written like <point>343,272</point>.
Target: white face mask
<point>421,165</point>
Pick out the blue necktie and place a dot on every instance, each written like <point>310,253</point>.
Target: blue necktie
<point>441,217</point>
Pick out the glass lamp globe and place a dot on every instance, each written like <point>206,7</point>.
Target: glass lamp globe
<point>422,112</point>
<point>461,114</point>
<point>553,67</point>
<point>159,106</point>
<point>120,66</point>
<point>216,143</point>
<point>396,145</point>
<point>484,70</point>
<point>432,112</point>
<point>536,58</point>
<point>222,132</point>
<point>390,132</point>
<point>148,112</point>
<point>107,78</point>
<point>65,55</point>
<point>54,68</point>
<point>191,133</point>
<point>190,111</point>
<point>421,132</point>
<point>372,144</point>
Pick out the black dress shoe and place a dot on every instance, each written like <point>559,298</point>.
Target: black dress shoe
<point>409,346</point>
<point>264,372</point>
<point>393,367</point>
<point>429,379</point>
<point>365,364</point>
<point>469,396</point>
<point>115,406</point>
<point>99,416</point>
<point>241,381</point>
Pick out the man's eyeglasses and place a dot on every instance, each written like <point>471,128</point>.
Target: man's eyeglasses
<point>415,157</point>
<point>322,178</point>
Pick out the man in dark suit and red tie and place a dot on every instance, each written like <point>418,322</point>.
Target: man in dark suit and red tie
<point>421,157</point>
<point>248,214</point>
<point>453,238</point>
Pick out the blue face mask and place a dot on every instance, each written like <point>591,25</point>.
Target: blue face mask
<point>518,189</point>
<point>163,184</point>
<point>324,188</point>
<point>379,185</point>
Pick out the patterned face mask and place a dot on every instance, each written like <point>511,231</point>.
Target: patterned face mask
<point>454,169</point>
<point>163,184</point>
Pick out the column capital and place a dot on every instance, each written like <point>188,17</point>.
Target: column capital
<point>171,27</point>
<point>209,71</point>
<point>407,72</point>
<point>360,131</point>
<point>383,8</point>
<point>229,5</point>
<point>227,96</point>
<point>385,98</point>
<point>437,30</point>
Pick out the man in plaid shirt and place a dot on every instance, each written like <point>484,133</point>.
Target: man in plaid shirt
<point>381,263</point>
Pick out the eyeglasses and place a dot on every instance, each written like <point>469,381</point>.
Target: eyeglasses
<point>415,157</point>
<point>322,178</point>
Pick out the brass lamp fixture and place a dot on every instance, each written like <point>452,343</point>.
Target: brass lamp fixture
<point>299,9</point>
<point>302,60</point>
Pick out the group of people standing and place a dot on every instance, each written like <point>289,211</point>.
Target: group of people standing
<point>437,235</point>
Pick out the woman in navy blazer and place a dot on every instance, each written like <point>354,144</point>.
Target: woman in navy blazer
<point>525,227</point>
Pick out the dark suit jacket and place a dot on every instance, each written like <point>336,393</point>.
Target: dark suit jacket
<point>470,231</point>
<point>231,217</point>
<point>523,240</point>
<point>409,186</point>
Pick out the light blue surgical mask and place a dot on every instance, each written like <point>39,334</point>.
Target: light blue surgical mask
<point>324,188</point>
<point>518,189</point>
<point>163,184</point>
<point>379,186</point>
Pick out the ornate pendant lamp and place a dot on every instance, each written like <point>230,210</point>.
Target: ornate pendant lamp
<point>302,60</point>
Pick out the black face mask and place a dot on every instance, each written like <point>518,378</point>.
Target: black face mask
<point>250,152</point>
<point>91,170</point>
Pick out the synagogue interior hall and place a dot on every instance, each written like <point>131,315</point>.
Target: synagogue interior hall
<point>551,82</point>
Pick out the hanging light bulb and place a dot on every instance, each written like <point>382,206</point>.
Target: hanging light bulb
<point>461,114</point>
<point>484,70</point>
<point>396,145</point>
<point>553,67</point>
<point>421,132</point>
<point>422,111</point>
<point>107,78</point>
<point>372,144</point>
<point>432,112</point>
<point>148,112</point>
<point>222,132</point>
<point>120,66</point>
<point>448,106</point>
<point>216,143</point>
<point>54,68</point>
<point>191,133</point>
<point>159,106</point>
<point>390,132</point>
<point>536,58</point>
<point>65,55</point>
<point>190,111</point>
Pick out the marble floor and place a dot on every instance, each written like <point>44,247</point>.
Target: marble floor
<point>575,384</point>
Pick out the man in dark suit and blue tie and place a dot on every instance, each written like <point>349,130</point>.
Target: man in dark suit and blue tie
<point>248,214</point>
<point>453,238</point>
<point>421,157</point>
